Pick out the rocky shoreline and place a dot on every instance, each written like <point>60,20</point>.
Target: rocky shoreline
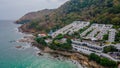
<point>81,58</point>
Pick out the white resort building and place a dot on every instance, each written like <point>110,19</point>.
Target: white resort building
<point>92,34</point>
<point>71,28</point>
<point>112,35</point>
<point>86,48</point>
<point>98,30</point>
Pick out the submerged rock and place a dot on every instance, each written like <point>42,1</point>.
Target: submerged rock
<point>40,54</point>
<point>18,46</point>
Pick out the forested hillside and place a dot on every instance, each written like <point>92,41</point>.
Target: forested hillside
<point>98,11</point>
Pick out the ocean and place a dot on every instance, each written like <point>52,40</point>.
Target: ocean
<point>12,57</point>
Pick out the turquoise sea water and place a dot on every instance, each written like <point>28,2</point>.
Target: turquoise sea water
<point>11,57</point>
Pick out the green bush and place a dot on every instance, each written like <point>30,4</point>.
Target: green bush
<point>60,36</point>
<point>117,37</point>
<point>94,57</point>
<point>108,63</point>
<point>40,41</point>
<point>58,45</point>
<point>103,61</point>
<point>105,37</point>
<point>109,49</point>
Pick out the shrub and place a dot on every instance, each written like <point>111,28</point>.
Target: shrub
<point>40,41</point>
<point>103,61</point>
<point>109,49</point>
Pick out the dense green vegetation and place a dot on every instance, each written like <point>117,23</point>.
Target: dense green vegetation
<point>103,61</point>
<point>109,49</point>
<point>69,41</point>
<point>34,24</point>
<point>108,63</point>
<point>60,36</point>
<point>56,44</point>
<point>94,57</point>
<point>117,37</point>
<point>105,37</point>
<point>95,11</point>
<point>41,41</point>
